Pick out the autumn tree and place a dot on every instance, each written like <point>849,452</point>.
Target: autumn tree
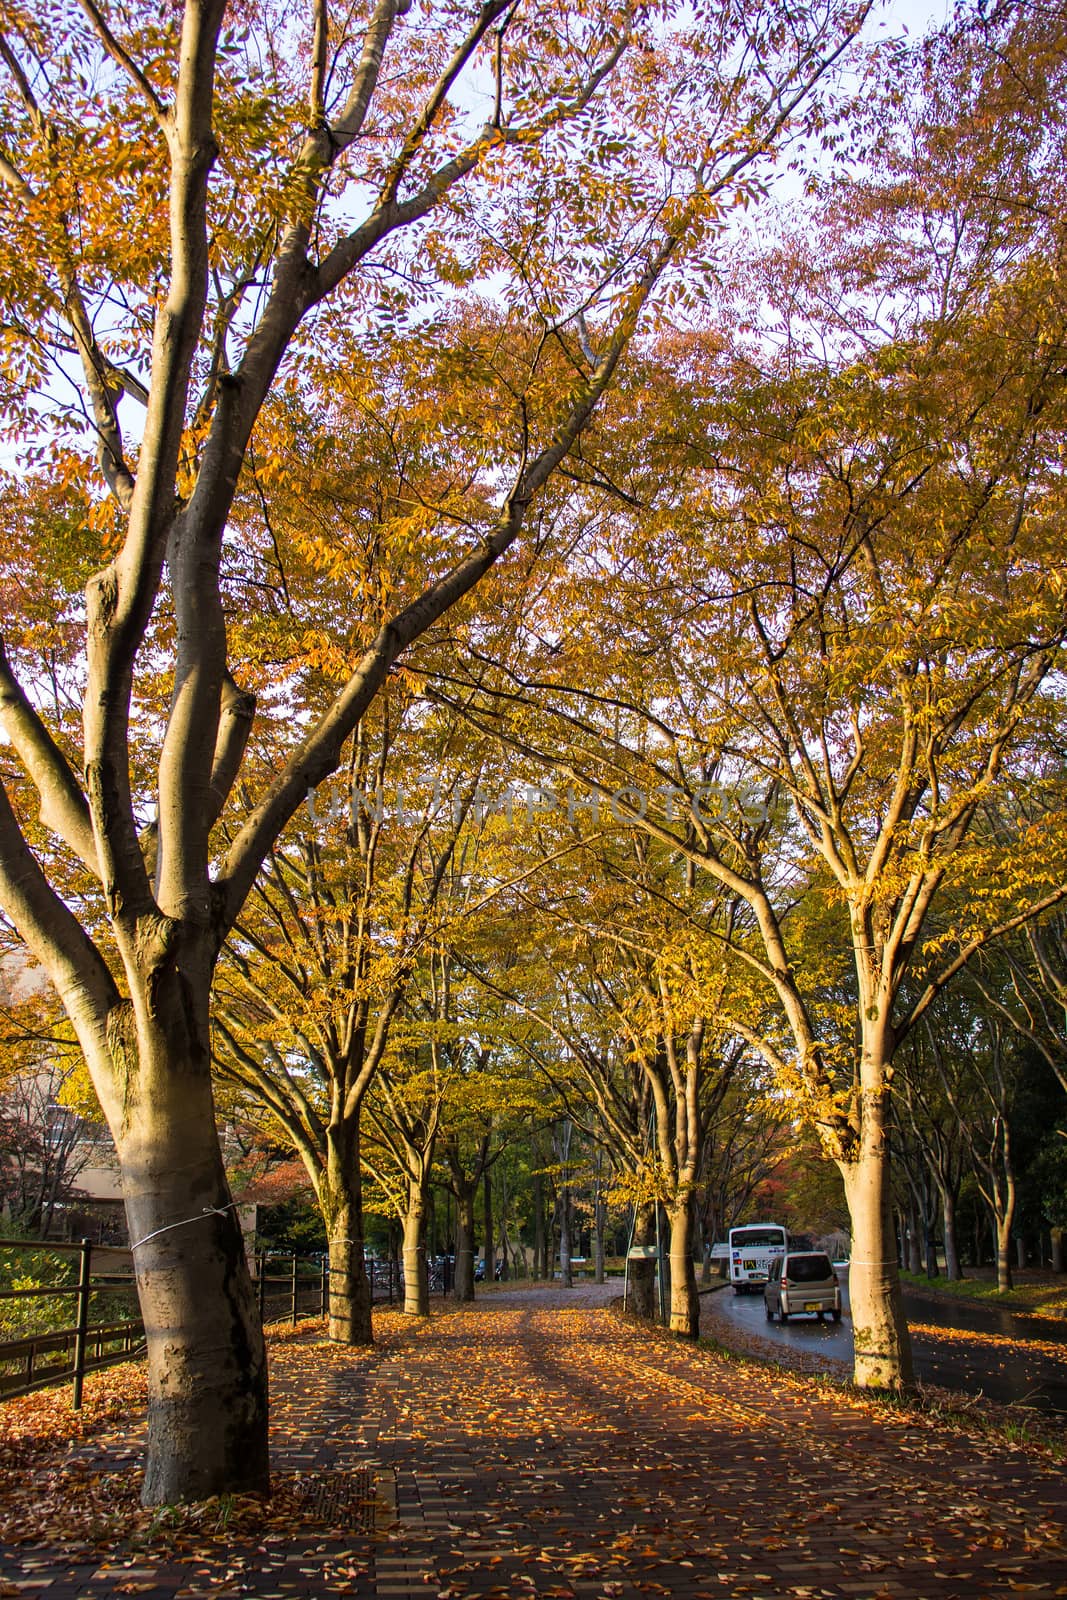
<point>826,610</point>
<point>827,736</point>
<point>196,203</point>
<point>625,1002</point>
<point>931,1121</point>
<point>318,965</point>
<point>490,1103</point>
<point>399,1148</point>
<point>1030,990</point>
<point>432,1055</point>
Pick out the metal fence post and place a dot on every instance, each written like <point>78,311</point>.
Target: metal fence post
<point>82,1330</point>
<point>325,1298</point>
<point>295,1287</point>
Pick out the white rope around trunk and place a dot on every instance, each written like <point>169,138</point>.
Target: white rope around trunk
<point>208,1211</point>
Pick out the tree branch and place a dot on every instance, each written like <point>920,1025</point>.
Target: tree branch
<point>944,977</point>
<point>53,933</point>
<point>121,56</point>
<point>319,754</point>
<point>64,808</point>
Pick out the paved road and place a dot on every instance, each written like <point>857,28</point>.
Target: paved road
<point>537,1445</point>
<point>978,1351</point>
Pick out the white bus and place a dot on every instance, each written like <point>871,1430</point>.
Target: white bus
<point>752,1249</point>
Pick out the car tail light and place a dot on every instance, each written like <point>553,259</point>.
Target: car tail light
<point>785,1283</point>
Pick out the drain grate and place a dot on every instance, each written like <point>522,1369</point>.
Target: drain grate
<point>348,1500</point>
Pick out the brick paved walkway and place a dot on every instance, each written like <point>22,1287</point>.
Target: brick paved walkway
<point>538,1445</point>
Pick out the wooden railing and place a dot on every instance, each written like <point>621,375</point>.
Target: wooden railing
<point>28,1363</point>
<point>288,1287</point>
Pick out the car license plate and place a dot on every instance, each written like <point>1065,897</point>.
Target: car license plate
<point>812,1305</point>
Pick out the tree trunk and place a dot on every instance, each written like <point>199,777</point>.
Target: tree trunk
<point>598,1241</point>
<point>642,1270</point>
<point>932,1269</point>
<point>350,1286</point>
<point>341,1201</point>
<point>540,1269</point>
<point>1056,1244</point>
<point>928,1210</point>
<point>880,1333</point>
<point>464,1282</point>
<point>487,1218</point>
<point>1020,1251</point>
<point>566,1276</point>
<point>207,1370</point>
<point>416,1279</point>
<point>1002,1221</point>
<point>915,1262</point>
<point>703,1248</point>
<point>685,1302</point>
<point>953,1271</point>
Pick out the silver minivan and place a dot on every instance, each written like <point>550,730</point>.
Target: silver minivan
<point>802,1280</point>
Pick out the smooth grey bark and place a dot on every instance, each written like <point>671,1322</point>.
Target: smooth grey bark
<point>341,1202</point>
<point>1002,1207</point>
<point>207,1370</point>
<point>350,1304</point>
<point>882,1345</point>
<point>407,1138</point>
<point>566,1274</point>
<point>953,1270</point>
<point>416,1275</point>
<point>685,1302</point>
